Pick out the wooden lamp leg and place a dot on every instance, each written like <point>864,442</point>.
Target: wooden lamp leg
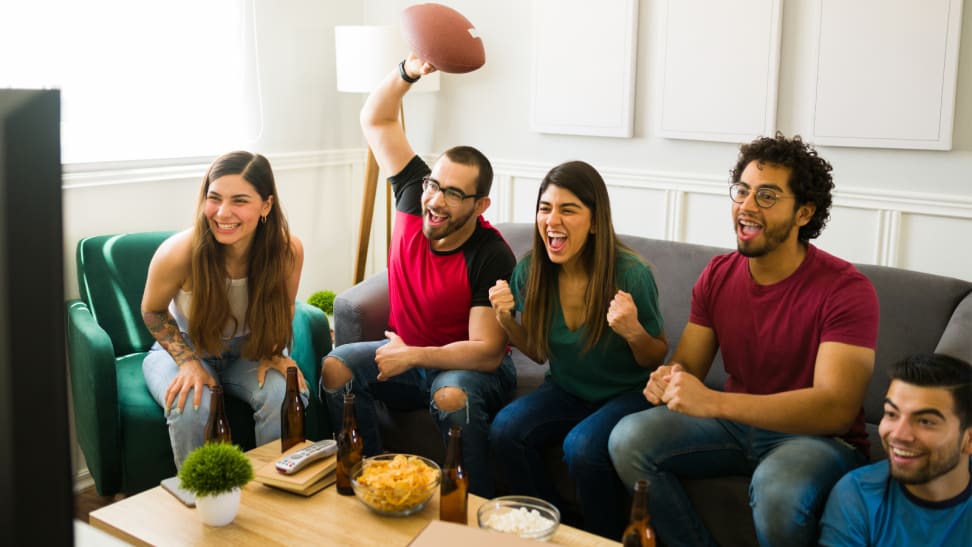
<point>367,212</point>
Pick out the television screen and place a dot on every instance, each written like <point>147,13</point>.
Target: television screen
<point>36,489</point>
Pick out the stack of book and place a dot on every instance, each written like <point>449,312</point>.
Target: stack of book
<point>309,480</point>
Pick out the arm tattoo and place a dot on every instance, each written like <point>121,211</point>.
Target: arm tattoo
<point>165,329</point>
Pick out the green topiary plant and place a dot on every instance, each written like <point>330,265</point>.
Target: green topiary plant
<point>215,468</point>
<point>323,300</point>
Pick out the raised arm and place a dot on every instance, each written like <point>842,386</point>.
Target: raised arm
<point>503,302</point>
<point>649,351</point>
<point>380,117</point>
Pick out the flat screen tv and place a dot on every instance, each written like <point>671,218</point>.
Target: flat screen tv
<point>36,489</point>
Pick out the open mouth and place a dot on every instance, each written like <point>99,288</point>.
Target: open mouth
<point>434,219</point>
<point>748,229</point>
<point>556,241</point>
<point>223,227</point>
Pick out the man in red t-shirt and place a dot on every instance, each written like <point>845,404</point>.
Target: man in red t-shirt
<point>444,348</point>
<point>797,328</point>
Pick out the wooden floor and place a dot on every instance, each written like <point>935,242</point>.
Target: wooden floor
<point>88,500</point>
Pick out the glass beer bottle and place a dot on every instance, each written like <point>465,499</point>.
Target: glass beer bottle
<point>217,426</point>
<point>292,413</point>
<point>639,532</point>
<point>454,486</point>
<point>350,448</point>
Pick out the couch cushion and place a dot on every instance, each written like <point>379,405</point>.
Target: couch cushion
<point>957,338</point>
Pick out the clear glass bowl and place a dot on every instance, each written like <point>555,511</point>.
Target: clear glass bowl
<point>400,495</point>
<point>524,516</point>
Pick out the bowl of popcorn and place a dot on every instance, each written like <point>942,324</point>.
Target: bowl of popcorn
<point>395,485</point>
<point>524,516</point>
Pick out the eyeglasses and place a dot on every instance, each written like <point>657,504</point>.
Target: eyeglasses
<point>765,198</point>
<point>453,196</point>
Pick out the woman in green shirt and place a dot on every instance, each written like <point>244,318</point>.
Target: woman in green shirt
<point>589,305</point>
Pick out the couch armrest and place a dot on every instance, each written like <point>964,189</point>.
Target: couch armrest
<point>94,391</point>
<point>361,312</point>
<point>955,341</point>
<point>312,341</point>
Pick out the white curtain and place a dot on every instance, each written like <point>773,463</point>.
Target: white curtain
<point>138,79</point>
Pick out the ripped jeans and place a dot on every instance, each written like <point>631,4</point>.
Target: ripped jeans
<point>485,393</point>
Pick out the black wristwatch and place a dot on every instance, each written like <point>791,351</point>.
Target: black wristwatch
<point>404,75</point>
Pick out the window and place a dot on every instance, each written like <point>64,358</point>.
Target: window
<point>138,80</point>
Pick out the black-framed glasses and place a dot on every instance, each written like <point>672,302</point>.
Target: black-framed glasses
<point>453,196</point>
<point>765,198</point>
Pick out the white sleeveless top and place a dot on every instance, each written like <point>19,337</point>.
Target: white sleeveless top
<point>238,301</point>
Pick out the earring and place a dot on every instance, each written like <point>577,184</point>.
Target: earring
<point>263,219</point>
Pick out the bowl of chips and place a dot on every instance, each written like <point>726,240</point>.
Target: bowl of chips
<point>524,516</point>
<point>395,484</point>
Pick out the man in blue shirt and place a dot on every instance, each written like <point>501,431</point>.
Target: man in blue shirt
<point>922,494</point>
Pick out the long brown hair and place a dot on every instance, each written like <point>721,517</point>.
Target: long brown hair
<point>270,261</point>
<point>600,250</point>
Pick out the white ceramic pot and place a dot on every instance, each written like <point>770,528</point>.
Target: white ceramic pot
<point>218,510</point>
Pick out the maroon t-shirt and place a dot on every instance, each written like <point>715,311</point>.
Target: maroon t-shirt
<point>431,292</point>
<point>769,335</point>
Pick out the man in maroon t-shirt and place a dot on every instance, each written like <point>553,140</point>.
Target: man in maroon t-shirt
<point>797,328</point>
<point>444,348</point>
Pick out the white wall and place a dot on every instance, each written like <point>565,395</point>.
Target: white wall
<point>891,206</point>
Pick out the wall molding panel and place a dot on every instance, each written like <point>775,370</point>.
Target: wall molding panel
<point>886,73</point>
<point>708,63</point>
<point>321,191</point>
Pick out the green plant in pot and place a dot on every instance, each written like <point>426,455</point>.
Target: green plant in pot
<point>325,301</point>
<point>215,473</point>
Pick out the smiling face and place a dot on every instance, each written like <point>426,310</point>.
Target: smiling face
<point>760,231</point>
<point>927,449</point>
<point>233,209</point>
<point>449,226</point>
<point>564,224</point>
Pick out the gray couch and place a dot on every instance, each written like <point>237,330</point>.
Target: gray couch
<point>919,313</point>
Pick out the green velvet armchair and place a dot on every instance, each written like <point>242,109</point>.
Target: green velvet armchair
<point>120,428</point>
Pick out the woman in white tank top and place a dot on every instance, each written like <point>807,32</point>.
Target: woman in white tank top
<point>219,300</point>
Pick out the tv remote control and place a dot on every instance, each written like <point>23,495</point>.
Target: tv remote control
<point>293,463</point>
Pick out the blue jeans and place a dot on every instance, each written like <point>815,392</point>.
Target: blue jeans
<point>550,416</point>
<point>791,474</point>
<point>485,393</point>
<point>238,378</point>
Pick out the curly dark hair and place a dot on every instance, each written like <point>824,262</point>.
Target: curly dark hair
<point>810,178</point>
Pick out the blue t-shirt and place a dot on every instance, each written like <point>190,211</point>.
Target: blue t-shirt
<point>868,507</point>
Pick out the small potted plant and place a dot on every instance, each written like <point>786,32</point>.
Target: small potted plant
<point>215,473</point>
<point>325,301</point>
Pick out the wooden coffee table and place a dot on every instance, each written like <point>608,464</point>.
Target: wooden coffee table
<point>269,516</point>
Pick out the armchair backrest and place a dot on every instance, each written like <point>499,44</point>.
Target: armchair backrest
<point>111,279</point>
